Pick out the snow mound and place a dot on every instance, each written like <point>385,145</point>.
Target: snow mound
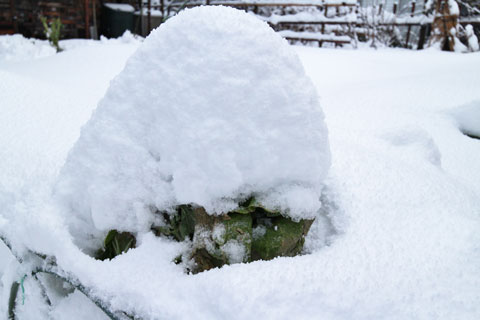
<point>468,118</point>
<point>18,48</point>
<point>212,108</point>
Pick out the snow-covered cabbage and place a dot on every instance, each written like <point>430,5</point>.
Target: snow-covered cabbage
<point>212,108</point>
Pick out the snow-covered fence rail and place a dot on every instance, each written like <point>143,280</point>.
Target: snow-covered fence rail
<point>277,3</point>
<point>470,20</point>
<point>314,36</point>
<point>332,21</point>
<point>330,9</point>
<point>365,23</point>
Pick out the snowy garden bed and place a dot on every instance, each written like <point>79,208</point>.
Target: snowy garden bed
<point>396,235</point>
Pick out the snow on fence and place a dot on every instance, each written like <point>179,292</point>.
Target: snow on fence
<point>329,21</point>
<point>339,16</point>
<point>268,11</point>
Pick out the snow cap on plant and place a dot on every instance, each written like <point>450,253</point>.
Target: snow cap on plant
<point>214,107</point>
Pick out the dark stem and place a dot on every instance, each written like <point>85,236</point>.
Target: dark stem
<point>11,300</point>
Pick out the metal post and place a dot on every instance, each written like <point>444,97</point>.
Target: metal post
<point>409,26</point>
<point>423,29</point>
<point>13,13</point>
<point>95,29</point>
<point>87,19</point>
<point>162,9</point>
<point>149,17</point>
<point>142,29</point>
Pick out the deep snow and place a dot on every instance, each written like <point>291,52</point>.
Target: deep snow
<point>404,186</point>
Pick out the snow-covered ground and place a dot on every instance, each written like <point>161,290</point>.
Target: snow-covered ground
<point>404,188</point>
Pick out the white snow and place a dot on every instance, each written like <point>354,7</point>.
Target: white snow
<point>18,48</point>
<point>468,118</point>
<point>310,17</point>
<point>218,233</point>
<point>153,12</point>
<point>258,232</point>
<point>453,8</point>
<point>472,39</point>
<point>202,120</point>
<point>313,36</point>
<point>76,307</point>
<point>123,7</point>
<point>301,2</point>
<point>414,137</point>
<point>235,251</point>
<point>405,245</point>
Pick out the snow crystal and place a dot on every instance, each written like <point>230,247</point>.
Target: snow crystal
<point>218,233</point>
<point>235,251</point>
<point>213,107</point>
<point>258,232</point>
<point>203,238</point>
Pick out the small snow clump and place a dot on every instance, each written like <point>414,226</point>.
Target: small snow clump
<point>472,39</point>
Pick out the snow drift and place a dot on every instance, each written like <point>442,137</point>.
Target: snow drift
<point>212,108</point>
<point>18,48</point>
<point>468,118</point>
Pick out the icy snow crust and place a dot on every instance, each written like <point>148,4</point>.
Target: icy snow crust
<point>213,107</point>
